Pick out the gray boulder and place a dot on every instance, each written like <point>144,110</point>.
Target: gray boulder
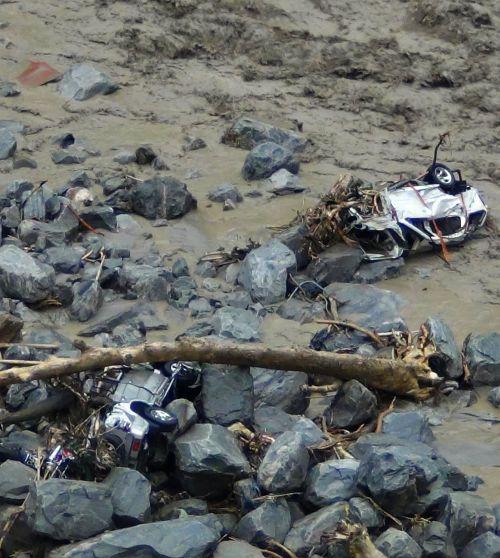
<point>236,323</point>
<point>88,298</point>
<point>161,198</point>
<point>395,476</point>
<point>494,396</point>
<point>280,388</point>
<point>363,511</point>
<point>271,520</point>
<point>225,192</point>
<point>227,395</point>
<point>99,217</point>
<point>237,549</point>
<point>331,481</point>
<point>15,481</point>
<point>283,183</point>
<point>274,421</point>
<point>436,542</point>
<point>24,278</point>
<point>337,263</point>
<point>70,156</point>
<point>69,510</point>
<point>447,360</point>
<point>296,239</point>
<point>182,508</point>
<point>179,538</point>
<point>408,425</point>
<point>466,516</point>
<point>484,546</point>
<point>301,310</point>
<point>394,543</point>
<point>284,467</point>
<point>209,460</point>
<point>64,259</point>
<point>145,281</point>
<point>185,414</point>
<point>182,292</point>
<point>264,272</point>
<point>482,353</point>
<point>371,272</point>
<point>368,306</point>
<point>247,133</point>
<point>82,82</point>
<point>353,405</point>
<point>8,144</point>
<point>130,493</point>
<point>307,534</point>
<point>267,158</point>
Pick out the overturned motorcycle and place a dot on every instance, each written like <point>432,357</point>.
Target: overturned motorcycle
<point>390,220</point>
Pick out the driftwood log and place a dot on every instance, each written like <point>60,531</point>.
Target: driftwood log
<point>393,376</point>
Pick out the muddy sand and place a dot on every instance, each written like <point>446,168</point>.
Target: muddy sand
<point>371,83</point>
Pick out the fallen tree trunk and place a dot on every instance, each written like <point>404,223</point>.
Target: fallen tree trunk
<point>394,376</point>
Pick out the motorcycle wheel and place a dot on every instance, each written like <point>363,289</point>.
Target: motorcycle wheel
<point>442,175</point>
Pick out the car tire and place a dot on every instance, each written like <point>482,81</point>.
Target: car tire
<point>442,175</point>
<point>160,418</point>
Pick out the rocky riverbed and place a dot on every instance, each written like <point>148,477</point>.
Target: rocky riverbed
<point>181,127</point>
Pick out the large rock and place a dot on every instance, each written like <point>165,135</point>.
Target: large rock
<point>482,353</point>
<point>466,516</point>
<point>8,144</point>
<point>65,259</point>
<point>274,421</point>
<point>145,281</point>
<point>181,508</point>
<point>82,82</point>
<point>353,405</point>
<point>307,534</point>
<point>15,481</point>
<point>494,396</point>
<point>236,323</point>
<point>271,520</point>
<point>368,306</point>
<point>394,543</point>
<point>436,542</point>
<point>179,538</point>
<point>484,546</point>
<point>363,511</point>
<point>225,192</point>
<point>247,133</point>
<point>371,272</point>
<point>130,493</point>
<point>237,549</point>
<point>337,263</point>
<point>447,360</point>
<point>284,467</point>
<point>209,460</point>
<point>408,425</point>
<point>331,481</point>
<point>227,395</point>
<point>68,509</point>
<point>283,183</point>
<point>264,272</point>
<point>280,388</point>
<point>161,198</point>
<point>267,158</point>
<point>88,298</point>
<point>295,238</point>
<point>24,278</point>
<point>395,476</point>
<point>301,311</point>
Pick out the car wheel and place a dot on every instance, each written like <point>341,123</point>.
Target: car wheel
<point>442,175</point>
<point>159,417</point>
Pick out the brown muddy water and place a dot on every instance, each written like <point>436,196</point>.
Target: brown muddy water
<point>373,82</point>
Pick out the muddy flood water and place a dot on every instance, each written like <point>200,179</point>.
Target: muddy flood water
<point>372,86</point>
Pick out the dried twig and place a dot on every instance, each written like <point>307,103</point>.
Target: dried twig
<point>383,414</point>
<point>349,325</point>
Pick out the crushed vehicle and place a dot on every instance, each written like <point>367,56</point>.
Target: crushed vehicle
<point>135,399</point>
<point>390,220</point>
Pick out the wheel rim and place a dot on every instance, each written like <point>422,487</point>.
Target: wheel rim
<point>160,415</point>
<point>443,175</point>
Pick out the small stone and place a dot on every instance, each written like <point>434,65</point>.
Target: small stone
<point>125,157</point>
<point>130,493</point>
<point>236,323</point>
<point>144,155</point>
<point>408,425</point>
<point>447,359</point>
<point>206,269</point>
<point>82,82</point>
<point>295,238</point>
<point>301,310</point>
<point>494,397</point>
<point>284,467</point>
<point>9,89</point>
<point>364,512</point>
<point>271,520</point>
<point>435,541</point>
<point>183,508</point>
<point>484,546</point>
<point>200,308</point>
<point>184,412</point>
<point>228,205</point>
<point>88,298</point>
<point>266,159</point>
<point>482,353</point>
<point>69,156</point>
<point>337,263</point>
<point>237,549</point>
<point>372,272</point>
<point>23,162</point>
<point>180,268</point>
<point>353,405</point>
<point>280,388</point>
<point>99,217</point>
<point>159,223</point>
<point>398,544</point>
<point>193,144</point>
<point>15,480</point>
<point>8,144</point>
<point>224,193</point>
<point>283,182</point>
<point>331,481</point>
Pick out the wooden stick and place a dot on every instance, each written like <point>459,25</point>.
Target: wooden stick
<point>349,325</point>
<point>393,376</point>
<point>15,362</point>
<point>30,345</point>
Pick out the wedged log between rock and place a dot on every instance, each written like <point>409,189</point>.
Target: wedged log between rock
<point>393,376</point>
